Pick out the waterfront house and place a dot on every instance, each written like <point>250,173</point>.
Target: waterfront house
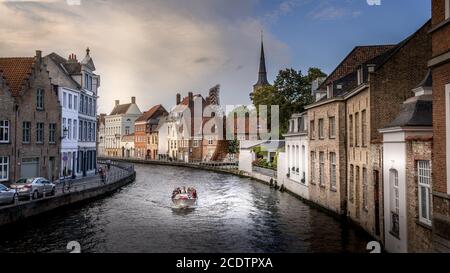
<point>119,123</point>
<point>440,67</point>
<point>30,122</point>
<point>327,131</point>
<point>101,134</point>
<point>77,87</point>
<point>382,84</point>
<point>146,132</point>
<point>406,157</point>
<point>293,164</point>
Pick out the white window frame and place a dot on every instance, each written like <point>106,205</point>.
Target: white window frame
<point>313,167</point>
<point>395,197</point>
<point>332,126</point>
<point>351,183</point>
<point>365,185</point>
<point>447,130</point>
<point>52,133</point>
<point>40,93</point>
<point>4,163</point>
<point>70,101</point>
<point>5,126</point>
<point>447,9</point>
<point>64,99</point>
<point>424,184</point>
<point>40,132</point>
<point>360,75</point>
<point>333,171</point>
<point>322,168</point>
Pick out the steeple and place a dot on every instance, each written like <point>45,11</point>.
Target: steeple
<point>262,74</point>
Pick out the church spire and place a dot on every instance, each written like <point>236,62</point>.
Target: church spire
<point>262,74</point>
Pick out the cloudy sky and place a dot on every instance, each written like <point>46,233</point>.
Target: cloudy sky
<point>153,49</point>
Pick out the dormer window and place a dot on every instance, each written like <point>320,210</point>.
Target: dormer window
<point>329,91</point>
<point>447,9</point>
<point>360,75</point>
<point>371,68</point>
<point>339,86</point>
<point>88,81</point>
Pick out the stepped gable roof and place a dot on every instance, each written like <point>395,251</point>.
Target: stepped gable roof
<point>16,71</point>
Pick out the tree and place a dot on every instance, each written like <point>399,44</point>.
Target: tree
<point>291,91</point>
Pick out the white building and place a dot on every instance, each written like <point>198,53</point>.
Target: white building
<point>69,143</point>
<point>407,193</point>
<point>118,124</point>
<point>293,164</point>
<point>78,93</point>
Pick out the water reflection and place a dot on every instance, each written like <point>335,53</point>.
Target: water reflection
<point>232,215</point>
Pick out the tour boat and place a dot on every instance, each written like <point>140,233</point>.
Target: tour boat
<point>184,199</point>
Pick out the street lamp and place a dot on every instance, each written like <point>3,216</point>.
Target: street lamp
<point>65,130</point>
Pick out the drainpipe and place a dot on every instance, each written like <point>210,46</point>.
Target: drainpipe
<point>16,113</point>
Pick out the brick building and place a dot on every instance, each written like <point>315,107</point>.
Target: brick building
<point>440,66</point>
<point>30,126</point>
<point>327,131</point>
<point>146,133</point>
<point>120,123</point>
<point>382,84</point>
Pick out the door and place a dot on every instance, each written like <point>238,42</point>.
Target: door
<point>377,201</point>
<point>29,167</point>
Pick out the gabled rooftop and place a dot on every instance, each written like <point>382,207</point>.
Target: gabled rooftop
<point>16,71</point>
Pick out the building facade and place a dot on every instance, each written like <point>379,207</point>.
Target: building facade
<point>407,143</point>
<point>440,66</point>
<point>146,132</point>
<point>30,135</point>
<point>120,123</point>
<point>331,178</point>
<point>293,164</point>
<point>78,92</point>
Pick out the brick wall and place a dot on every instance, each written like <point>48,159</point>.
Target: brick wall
<point>393,82</point>
<point>7,113</point>
<point>27,111</point>
<point>441,77</point>
<point>361,156</point>
<point>419,235</point>
<point>333,199</point>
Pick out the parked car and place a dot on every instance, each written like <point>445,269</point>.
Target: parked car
<point>33,188</point>
<point>7,195</point>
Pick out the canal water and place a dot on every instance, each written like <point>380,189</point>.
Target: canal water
<point>233,215</point>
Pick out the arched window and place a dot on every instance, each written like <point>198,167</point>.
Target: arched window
<point>394,202</point>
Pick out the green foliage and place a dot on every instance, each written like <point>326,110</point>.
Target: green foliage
<point>233,146</point>
<point>291,91</point>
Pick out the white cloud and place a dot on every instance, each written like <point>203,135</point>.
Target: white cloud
<point>150,50</point>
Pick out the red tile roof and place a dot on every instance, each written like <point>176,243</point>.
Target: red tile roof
<point>16,71</point>
<point>150,113</point>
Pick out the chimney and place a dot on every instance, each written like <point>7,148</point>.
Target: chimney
<point>72,58</point>
<point>117,102</point>
<point>133,100</point>
<point>178,98</point>
<point>38,56</point>
<point>191,97</point>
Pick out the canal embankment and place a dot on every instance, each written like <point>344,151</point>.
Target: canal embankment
<point>71,192</point>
